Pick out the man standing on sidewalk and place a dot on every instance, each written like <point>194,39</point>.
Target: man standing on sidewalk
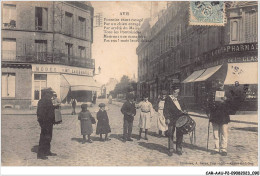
<point>129,111</point>
<point>46,119</point>
<point>219,108</point>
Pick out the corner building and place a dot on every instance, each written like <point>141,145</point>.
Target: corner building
<point>46,44</point>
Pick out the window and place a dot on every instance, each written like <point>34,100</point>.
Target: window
<point>41,18</point>
<point>179,33</point>
<point>9,49</point>
<point>40,82</point>
<point>82,27</point>
<point>188,89</point>
<point>172,39</point>
<point>251,26</point>
<point>41,49</point>
<point>9,15</point>
<point>69,50</point>
<point>8,84</point>
<point>234,31</point>
<point>82,52</point>
<point>68,26</point>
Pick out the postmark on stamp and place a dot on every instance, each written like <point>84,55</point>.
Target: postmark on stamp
<point>208,13</point>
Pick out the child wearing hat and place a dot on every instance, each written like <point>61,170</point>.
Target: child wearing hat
<point>103,122</point>
<point>85,118</point>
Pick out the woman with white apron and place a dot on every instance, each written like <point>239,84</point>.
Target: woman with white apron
<point>160,118</point>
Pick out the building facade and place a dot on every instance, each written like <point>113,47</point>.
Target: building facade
<point>177,50</point>
<point>46,44</point>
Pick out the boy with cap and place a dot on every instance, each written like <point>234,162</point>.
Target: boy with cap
<point>103,122</point>
<point>173,109</point>
<point>129,111</point>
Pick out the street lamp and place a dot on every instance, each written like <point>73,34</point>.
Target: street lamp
<point>99,70</point>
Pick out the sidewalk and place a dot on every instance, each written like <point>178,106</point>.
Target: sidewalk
<point>249,117</point>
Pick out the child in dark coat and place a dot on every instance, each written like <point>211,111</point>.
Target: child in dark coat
<point>85,123</point>
<point>103,122</point>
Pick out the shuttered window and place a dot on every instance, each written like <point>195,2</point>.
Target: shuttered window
<point>8,84</point>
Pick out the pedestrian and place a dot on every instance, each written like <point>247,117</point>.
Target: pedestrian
<point>145,116</point>
<point>94,99</point>
<point>129,111</point>
<point>86,120</point>
<point>74,104</point>
<point>56,103</point>
<point>160,118</point>
<point>173,109</point>
<point>46,119</point>
<point>219,109</point>
<point>110,99</point>
<point>103,126</point>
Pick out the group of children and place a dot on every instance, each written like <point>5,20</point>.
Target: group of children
<point>103,127</point>
<point>86,121</point>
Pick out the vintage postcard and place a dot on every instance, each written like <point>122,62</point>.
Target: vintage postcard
<point>130,83</point>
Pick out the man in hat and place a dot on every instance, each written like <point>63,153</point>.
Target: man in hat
<point>129,111</point>
<point>46,119</point>
<point>145,116</point>
<point>173,109</point>
<point>219,108</point>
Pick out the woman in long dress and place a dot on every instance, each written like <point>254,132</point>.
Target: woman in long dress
<point>161,119</point>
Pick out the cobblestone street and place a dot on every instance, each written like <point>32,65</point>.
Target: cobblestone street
<point>20,137</point>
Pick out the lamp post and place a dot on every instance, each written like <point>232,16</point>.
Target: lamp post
<point>99,70</point>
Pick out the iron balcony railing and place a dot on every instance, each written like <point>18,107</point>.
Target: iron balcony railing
<point>45,57</point>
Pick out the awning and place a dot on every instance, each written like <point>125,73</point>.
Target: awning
<point>78,83</point>
<point>193,76</point>
<point>208,73</point>
<point>243,73</point>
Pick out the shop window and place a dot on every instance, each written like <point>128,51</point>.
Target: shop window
<point>41,18</point>
<point>8,84</point>
<point>40,82</point>
<point>82,27</point>
<point>9,15</point>
<point>68,26</point>
<point>41,50</point>
<point>9,49</point>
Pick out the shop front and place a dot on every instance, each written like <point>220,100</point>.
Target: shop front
<point>235,64</point>
<point>68,82</point>
<point>240,79</point>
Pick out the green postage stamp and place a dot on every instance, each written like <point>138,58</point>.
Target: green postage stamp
<point>208,13</point>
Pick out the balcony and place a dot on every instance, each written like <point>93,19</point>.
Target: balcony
<point>47,58</point>
<point>10,25</point>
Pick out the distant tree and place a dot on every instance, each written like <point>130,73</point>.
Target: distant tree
<point>125,85</point>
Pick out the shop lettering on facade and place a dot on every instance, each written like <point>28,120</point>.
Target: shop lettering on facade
<point>243,59</point>
<point>60,69</point>
<point>229,60</point>
<point>235,48</point>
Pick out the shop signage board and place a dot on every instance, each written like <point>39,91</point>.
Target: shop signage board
<point>47,68</point>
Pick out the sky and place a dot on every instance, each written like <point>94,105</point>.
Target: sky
<point>116,59</point>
